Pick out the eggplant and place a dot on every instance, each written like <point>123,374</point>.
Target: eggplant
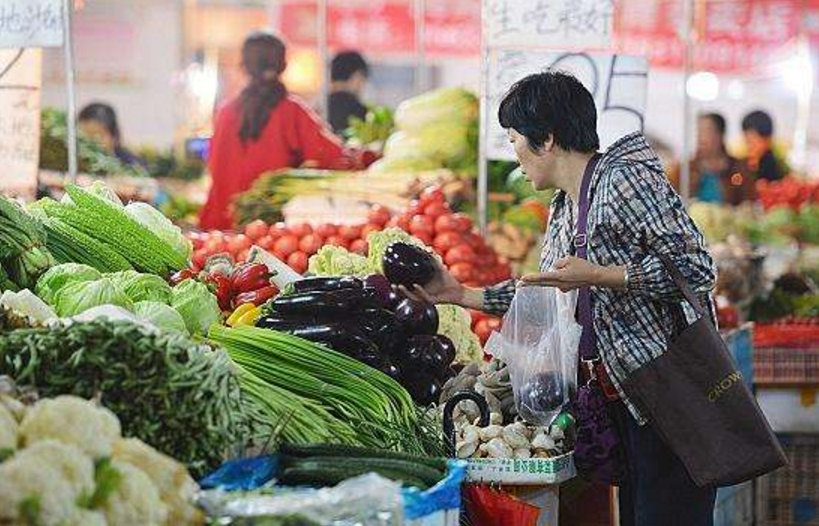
<point>284,323</point>
<point>408,265</point>
<point>447,347</point>
<point>424,391</point>
<point>394,299</point>
<point>326,284</point>
<point>417,317</point>
<point>381,286</point>
<point>336,302</point>
<point>340,338</point>
<point>381,327</point>
<point>392,370</point>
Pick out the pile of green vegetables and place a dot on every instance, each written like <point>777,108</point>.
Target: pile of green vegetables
<point>93,227</point>
<point>358,404</point>
<point>23,251</point>
<point>375,127</point>
<point>73,288</point>
<point>181,397</point>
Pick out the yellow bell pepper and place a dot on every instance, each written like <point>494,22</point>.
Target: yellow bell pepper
<point>240,311</point>
<point>250,317</point>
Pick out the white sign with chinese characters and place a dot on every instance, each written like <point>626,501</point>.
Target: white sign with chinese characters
<point>20,82</point>
<point>562,24</point>
<point>617,82</point>
<point>31,23</point>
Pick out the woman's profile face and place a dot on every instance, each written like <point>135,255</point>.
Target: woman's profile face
<point>709,139</point>
<point>533,164</point>
<point>96,131</point>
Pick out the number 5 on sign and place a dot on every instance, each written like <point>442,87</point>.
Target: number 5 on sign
<point>31,23</point>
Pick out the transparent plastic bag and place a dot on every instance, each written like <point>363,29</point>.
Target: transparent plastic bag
<point>539,342</point>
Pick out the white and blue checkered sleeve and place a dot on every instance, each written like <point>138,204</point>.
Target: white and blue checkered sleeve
<point>498,298</point>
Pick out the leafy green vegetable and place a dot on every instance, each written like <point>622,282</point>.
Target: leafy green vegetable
<point>181,397</point>
<point>77,298</point>
<point>161,315</point>
<point>156,222</point>
<point>59,276</point>
<point>142,287</point>
<point>337,261</point>
<point>455,323</point>
<point>198,307</point>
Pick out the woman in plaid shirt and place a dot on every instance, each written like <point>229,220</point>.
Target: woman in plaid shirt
<point>634,215</point>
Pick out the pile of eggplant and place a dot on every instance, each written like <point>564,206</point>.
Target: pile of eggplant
<point>368,320</point>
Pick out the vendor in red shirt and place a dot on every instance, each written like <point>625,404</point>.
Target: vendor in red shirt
<point>264,129</point>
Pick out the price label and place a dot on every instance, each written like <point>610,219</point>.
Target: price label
<point>617,82</point>
<point>31,23</point>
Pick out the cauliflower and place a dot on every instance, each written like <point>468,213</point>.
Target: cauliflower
<point>74,466</point>
<point>456,324</point>
<point>86,518</point>
<point>74,421</point>
<point>32,483</point>
<point>8,431</point>
<point>176,487</point>
<point>136,500</point>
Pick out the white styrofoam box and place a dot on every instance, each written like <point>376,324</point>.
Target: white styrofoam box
<point>791,410</point>
<point>528,472</point>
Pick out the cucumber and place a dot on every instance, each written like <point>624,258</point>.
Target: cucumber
<point>337,450</point>
<point>429,475</point>
<point>326,476</point>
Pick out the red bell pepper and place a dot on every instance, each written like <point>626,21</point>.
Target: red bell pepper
<point>251,277</point>
<point>256,297</point>
<point>181,276</point>
<point>223,290</point>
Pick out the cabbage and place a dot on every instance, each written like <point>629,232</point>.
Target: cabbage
<point>447,141</point>
<point>453,105</point>
<point>379,241</point>
<point>456,324</point>
<point>161,316</point>
<point>197,306</point>
<point>402,145</point>
<point>337,261</point>
<point>404,164</point>
<point>59,276</point>
<point>142,287</point>
<point>76,298</point>
<point>156,222</point>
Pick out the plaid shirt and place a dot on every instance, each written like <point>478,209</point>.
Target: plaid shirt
<point>634,215</point>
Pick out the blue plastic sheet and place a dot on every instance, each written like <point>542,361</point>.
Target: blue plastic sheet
<point>243,474</point>
<point>446,495</point>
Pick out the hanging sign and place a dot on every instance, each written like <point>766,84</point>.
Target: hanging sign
<point>617,82</point>
<point>31,23</point>
<point>563,24</point>
<point>20,79</point>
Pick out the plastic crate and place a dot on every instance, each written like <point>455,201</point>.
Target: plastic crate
<point>735,505</point>
<point>790,496</point>
<point>786,366</point>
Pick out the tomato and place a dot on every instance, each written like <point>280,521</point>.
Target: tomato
<point>298,262</point>
<point>485,260</point>
<point>301,229</point>
<point>199,259</point>
<point>326,231</point>
<point>462,272</point>
<point>366,230</point>
<point>464,222</point>
<point>256,229</point>
<point>336,241</point>
<point>402,221</point>
<point>238,243</point>
<point>310,244</point>
<point>483,330</point>
<point>422,225</point>
<point>425,238</point>
<point>459,254</point>
<point>436,210</point>
<point>447,240</point>
<point>446,223</point>
<point>359,246</point>
<point>474,240</point>
<point>266,243</point>
<point>278,230</point>
<point>214,246</point>
<point>433,194</point>
<point>378,215</point>
<point>350,233</point>
<point>197,240</point>
<point>415,208</point>
<point>285,246</point>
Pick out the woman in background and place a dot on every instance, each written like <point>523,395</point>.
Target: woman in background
<point>99,123</point>
<point>262,130</point>
<point>716,176</point>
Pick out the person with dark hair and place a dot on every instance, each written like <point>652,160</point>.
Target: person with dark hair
<point>348,73</point>
<point>613,217</point>
<point>264,129</point>
<point>758,129</point>
<point>98,122</point>
<point>716,176</point>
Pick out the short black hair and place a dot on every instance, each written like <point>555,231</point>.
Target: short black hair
<point>718,121</point>
<point>552,103</point>
<point>760,122</point>
<point>346,64</point>
<point>103,114</point>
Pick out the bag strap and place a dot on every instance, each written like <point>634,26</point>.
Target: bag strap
<point>682,284</point>
<point>588,344</point>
